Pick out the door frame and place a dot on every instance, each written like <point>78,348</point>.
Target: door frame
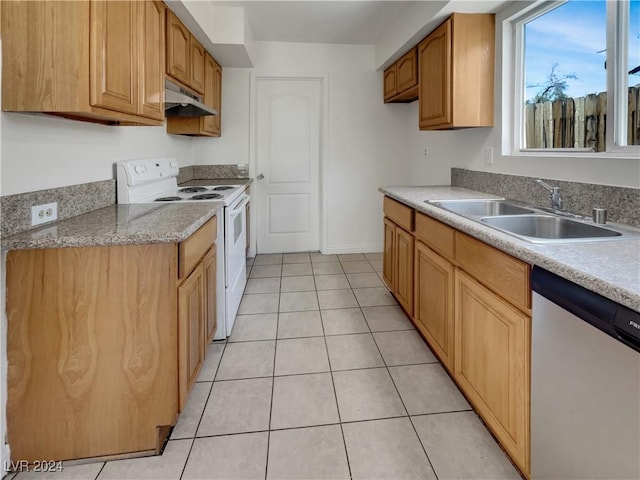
<point>323,149</point>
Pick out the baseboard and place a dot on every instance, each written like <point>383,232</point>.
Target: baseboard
<point>340,249</point>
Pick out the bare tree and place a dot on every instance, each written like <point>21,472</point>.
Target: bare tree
<point>553,88</point>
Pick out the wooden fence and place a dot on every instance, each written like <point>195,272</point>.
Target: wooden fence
<point>577,122</point>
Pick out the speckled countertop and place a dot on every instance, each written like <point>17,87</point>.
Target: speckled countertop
<point>610,268</point>
<point>119,225</point>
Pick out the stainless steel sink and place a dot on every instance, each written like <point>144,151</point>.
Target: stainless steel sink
<point>544,228</point>
<point>481,208</point>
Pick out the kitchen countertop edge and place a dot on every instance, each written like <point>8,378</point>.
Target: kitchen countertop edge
<point>556,258</point>
<point>143,224</point>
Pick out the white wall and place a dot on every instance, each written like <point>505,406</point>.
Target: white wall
<point>40,152</point>
<point>366,140</point>
<point>465,148</point>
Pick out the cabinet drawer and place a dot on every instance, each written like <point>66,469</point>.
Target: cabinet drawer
<point>505,275</point>
<point>435,234</point>
<point>398,213</point>
<point>193,248</point>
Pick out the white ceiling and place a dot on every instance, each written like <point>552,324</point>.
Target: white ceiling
<point>350,22</point>
<point>329,21</point>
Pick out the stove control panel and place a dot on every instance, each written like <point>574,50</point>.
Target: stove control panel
<point>145,170</point>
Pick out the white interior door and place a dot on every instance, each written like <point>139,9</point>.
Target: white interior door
<point>287,152</point>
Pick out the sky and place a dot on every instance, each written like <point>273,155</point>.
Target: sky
<point>574,36</point>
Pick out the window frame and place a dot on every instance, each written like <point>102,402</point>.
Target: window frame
<point>617,22</point>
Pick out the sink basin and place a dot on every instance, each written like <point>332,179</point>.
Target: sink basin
<point>482,208</point>
<point>543,228</point>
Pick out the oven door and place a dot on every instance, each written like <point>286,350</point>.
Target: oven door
<point>234,258</point>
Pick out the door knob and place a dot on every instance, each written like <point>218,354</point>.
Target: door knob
<point>260,176</point>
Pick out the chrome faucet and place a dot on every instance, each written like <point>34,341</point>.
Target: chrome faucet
<point>556,198</point>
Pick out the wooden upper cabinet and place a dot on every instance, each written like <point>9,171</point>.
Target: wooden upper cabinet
<point>114,48</point>
<point>435,77</point>
<point>185,55</point>
<point>401,79</point>
<point>389,79</point>
<point>217,99</point>
<point>84,60</point>
<point>456,73</point>
<point>153,59</point>
<point>212,95</point>
<point>208,125</point>
<point>178,49</point>
<point>196,75</point>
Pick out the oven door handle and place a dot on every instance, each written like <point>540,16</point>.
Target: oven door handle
<point>239,206</point>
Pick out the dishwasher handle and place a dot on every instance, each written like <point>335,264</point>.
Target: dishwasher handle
<point>614,319</point>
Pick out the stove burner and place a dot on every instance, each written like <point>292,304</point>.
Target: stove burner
<point>192,189</point>
<point>223,188</point>
<point>206,196</point>
<point>167,199</point>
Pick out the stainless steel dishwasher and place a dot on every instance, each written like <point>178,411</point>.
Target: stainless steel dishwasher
<point>585,383</point>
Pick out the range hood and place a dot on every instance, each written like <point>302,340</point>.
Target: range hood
<point>178,102</point>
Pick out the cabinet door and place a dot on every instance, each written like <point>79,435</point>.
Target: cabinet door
<point>217,99</point>
<point>152,45</point>
<point>114,53</point>
<point>434,63</point>
<point>389,80</point>
<point>191,330</point>
<point>434,302</point>
<point>403,265</point>
<point>407,71</point>
<point>178,49</point>
<point>387,259</point>
<point>492,362</point>
<point>196,75</point>
<point>209,121</point>
<point>209,264</point>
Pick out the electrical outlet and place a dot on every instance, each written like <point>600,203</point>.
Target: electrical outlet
<point>488,155</point>
<point>426,153</point>
<point>47,212</point>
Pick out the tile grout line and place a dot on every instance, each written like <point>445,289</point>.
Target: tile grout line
<point>273,376</point>
<point>403,403</point>
<point>335,393</point>
<point>195,434</point>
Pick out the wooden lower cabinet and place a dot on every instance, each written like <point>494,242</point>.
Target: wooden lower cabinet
<point>196,304</point>
<point>191,331</point>
<point>387,257</point>
<point>403,269</point>
<point>434,291</point>
<point>397,264</point>
<point>209,264</point>
<point>104,343</point>
<point>472,304</point>
<point>492,352</point>
<point>91,349</point>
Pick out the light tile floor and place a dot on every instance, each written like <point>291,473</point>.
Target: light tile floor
<point>323,377</point>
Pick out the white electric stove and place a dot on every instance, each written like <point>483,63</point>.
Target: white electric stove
<point>151,180</point>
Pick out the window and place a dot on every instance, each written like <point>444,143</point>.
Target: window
<point>577,78</point>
